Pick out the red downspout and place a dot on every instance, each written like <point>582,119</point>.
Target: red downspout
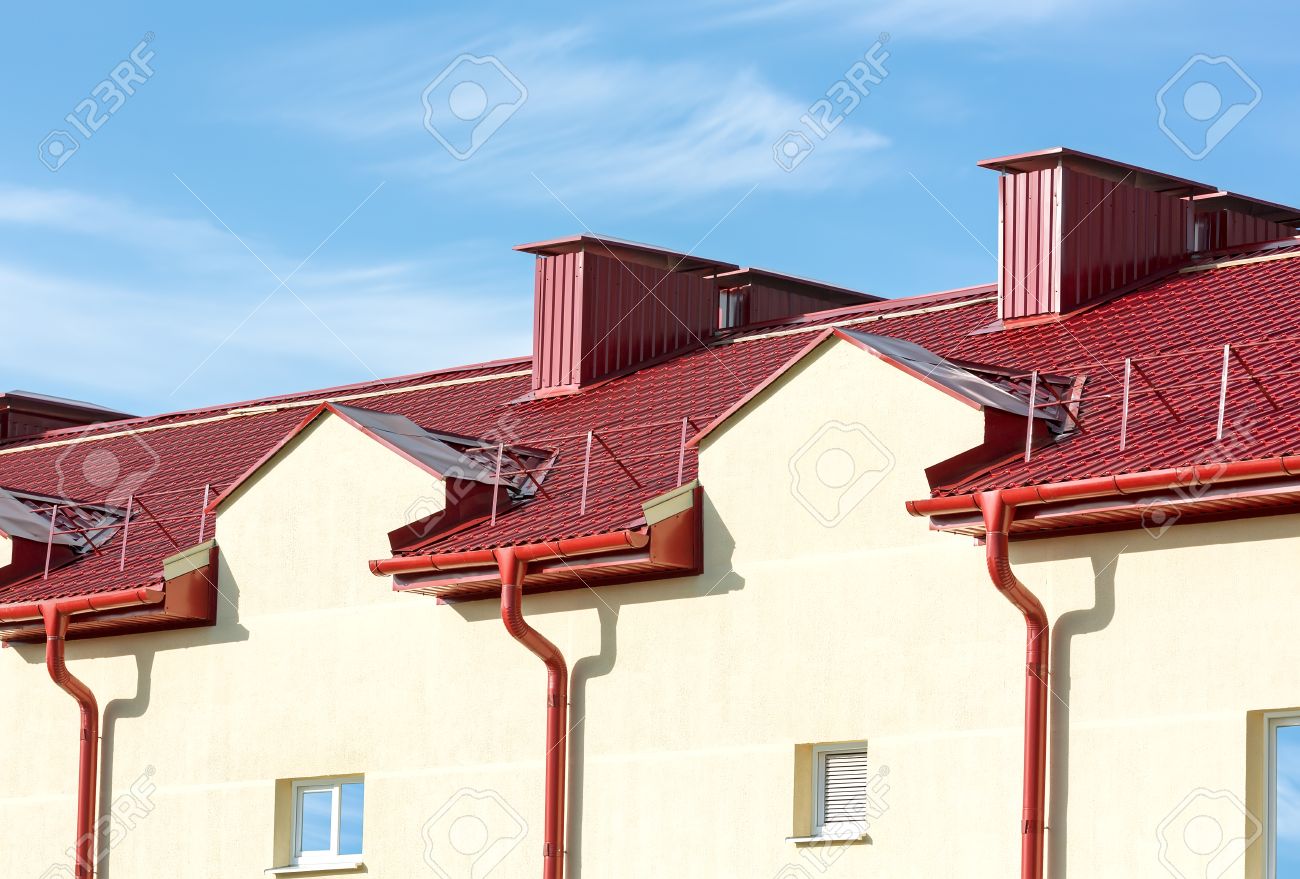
<point>56,628</point>
<point>998,509</point>
<point>512,566</point>
<point>56,614</point>
<point>998,515</point>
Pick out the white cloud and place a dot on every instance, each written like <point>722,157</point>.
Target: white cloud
<point>944,19</point>
<point>159,237</point>
<point>643,133</point>
<point>134,341</point>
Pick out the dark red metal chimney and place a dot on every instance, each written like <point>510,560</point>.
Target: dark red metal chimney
<point>23,413</point>
<point>1076,228</point>
<point>604,307</point>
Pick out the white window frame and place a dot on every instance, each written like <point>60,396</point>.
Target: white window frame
<point>1272,722</point>
<point>847,830</point>
<point>332,856</point>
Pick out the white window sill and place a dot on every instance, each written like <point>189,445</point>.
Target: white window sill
<point>829,837</point>
<point>318,867</point>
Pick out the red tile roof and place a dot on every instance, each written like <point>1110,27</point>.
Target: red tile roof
<point>167,461</point>
<point>1174,330</point>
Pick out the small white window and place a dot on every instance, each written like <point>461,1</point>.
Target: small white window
<point>841,800</point>
<point>328,820</point>
<point>1283,804</point>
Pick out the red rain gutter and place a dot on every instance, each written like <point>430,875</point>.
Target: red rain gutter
<point>997,524</point>
<point>512,564</point>
<point>57,613</point>
<point>1121,484</point>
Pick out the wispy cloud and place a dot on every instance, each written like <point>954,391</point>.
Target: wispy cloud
<point>156,236</point>
<point>635,131</point>
<point>127,335</point>
<point>921,19</point>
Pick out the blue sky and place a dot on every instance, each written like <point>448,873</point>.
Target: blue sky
<point>145,272</point>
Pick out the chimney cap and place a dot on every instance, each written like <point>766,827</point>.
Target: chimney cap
<point>780,280</point>
<point>634,251</point>
<point>1143,178</point>
<point>1245,204</point>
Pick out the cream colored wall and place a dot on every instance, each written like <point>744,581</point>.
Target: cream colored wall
<point>6,550</point>
<point>689,696</point>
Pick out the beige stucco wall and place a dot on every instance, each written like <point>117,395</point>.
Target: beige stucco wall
<point>689,696</point>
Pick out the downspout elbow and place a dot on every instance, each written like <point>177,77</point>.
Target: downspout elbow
<point>512,578</point>
<point>998,516</point>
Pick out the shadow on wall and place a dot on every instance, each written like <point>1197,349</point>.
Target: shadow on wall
<point>583,671</point>
<point>121,709</point>
<point>1105,561</point>
<point>1068,626</point>
<point>121,808</point>
<point>718,579</point>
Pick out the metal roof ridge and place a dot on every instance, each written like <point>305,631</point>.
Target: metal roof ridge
<point>278,401</point>
<point>248,412</point>
<point>1242,261</point>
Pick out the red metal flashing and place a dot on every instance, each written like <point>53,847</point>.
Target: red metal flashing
<point>762,386</point>
<point>266,457</point>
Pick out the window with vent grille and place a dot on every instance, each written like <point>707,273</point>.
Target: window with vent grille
<point>841,797</point>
